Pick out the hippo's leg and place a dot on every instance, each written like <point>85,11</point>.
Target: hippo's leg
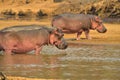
<point>78,35</point>
<point>38,49</point>
<point>87,34</point>
<point>8,51</point>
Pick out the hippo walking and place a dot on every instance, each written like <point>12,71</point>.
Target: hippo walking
<point>26,40</point>
<point>78,23</point>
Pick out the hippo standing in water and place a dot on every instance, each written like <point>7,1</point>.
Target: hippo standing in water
<point>26,40</point>
<point>77,23</point>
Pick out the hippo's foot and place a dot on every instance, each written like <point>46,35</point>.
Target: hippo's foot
<point>37,54</point>
<point>89,38</point>
<point>9,54</point>
<point>12,53</point>
<point>78,39</point>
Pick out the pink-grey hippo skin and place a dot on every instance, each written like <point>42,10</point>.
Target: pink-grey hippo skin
<point>26,40</point>
<point>78,23</point>
<point>24,27</point>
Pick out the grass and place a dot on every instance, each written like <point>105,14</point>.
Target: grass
<point>112,36</point>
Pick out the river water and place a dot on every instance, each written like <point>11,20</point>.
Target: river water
<point>81,62</point>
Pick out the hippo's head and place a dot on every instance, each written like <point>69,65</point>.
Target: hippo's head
<point>56,38</point>
<point>97,24</point>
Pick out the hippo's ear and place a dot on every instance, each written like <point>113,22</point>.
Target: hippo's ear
<point>57,30</point>
<point>97,19</point>
<point>53,31</point>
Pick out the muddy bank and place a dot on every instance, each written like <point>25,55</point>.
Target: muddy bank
<point>24,78</point>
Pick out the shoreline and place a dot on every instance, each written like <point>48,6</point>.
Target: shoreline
<point>25,78</point>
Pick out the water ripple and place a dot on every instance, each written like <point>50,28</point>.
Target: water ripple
<point>90,59</point>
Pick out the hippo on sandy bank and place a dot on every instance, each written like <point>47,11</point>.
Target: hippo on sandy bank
<point>77,23</point>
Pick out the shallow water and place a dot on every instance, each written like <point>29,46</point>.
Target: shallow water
<point>83,62</point>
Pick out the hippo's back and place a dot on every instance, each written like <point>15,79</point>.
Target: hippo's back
<point>83,18</point>
<point>23,27</point>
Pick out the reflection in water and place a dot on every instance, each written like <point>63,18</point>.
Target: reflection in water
<point>91,62</point>
<point>24,65</point>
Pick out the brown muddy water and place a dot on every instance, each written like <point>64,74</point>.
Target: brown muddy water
<point>82,62</point>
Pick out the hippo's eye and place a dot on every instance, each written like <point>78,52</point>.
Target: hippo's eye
<point>99,23</point>
<point>57,35</point>
<point>59,38</point>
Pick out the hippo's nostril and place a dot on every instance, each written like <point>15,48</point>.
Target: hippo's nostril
<point>62,46</point>
<point>65,46</point>
<point>102,31</point>
<point>105,30</point>
<point>62,34</point>
<point>54,42</point>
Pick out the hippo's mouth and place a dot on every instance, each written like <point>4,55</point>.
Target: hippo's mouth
<point>55,42</point>
<point>102,31</point>
<point>61,46</point>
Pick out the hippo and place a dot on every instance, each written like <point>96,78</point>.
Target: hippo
<point>78,23</point>
<point>23,41</point>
